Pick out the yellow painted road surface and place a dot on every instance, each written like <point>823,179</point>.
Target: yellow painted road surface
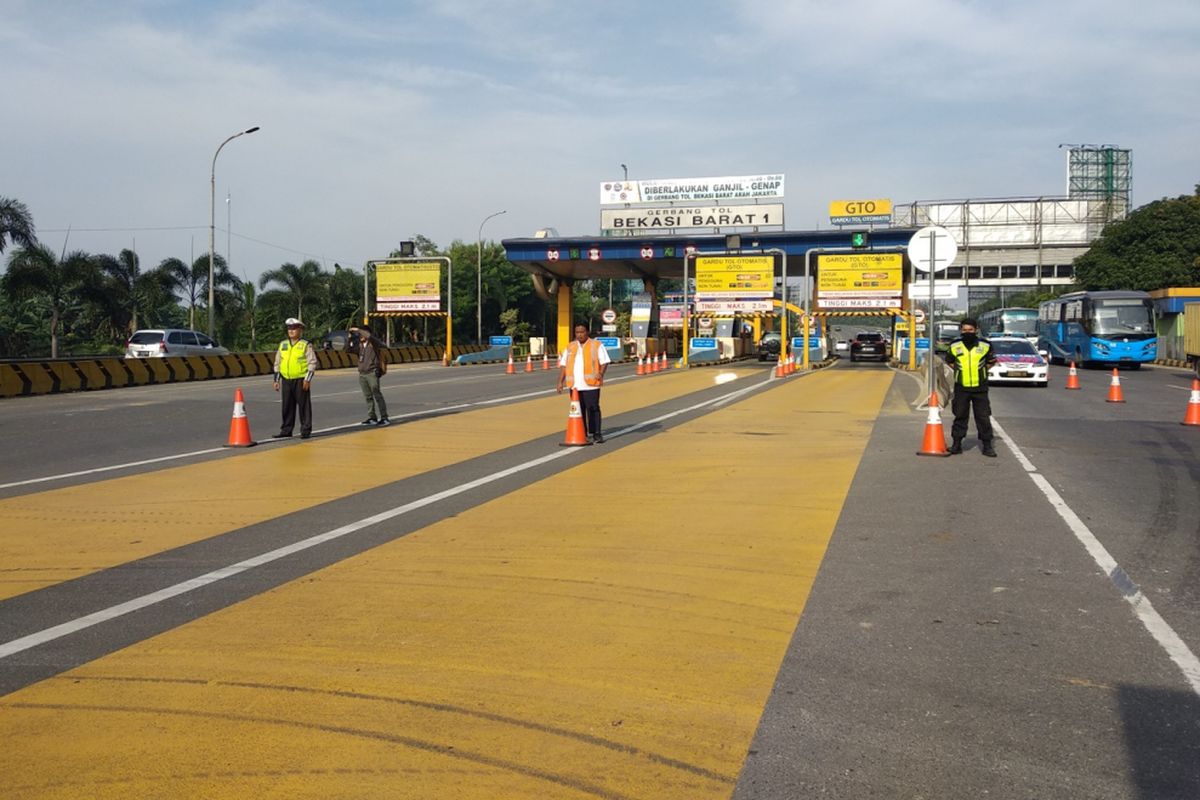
<point>62,534</point>
<point>612,631</point>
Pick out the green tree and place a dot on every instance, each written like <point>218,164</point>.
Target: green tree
<point>129,295</point>
<point>300,283</point>
<point>191,282</point>
<point>1157,246</point>
<point>16,224</point>
<point>37,271</point>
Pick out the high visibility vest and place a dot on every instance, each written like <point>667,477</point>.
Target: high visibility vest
<point>591,363</point>
<point>971,372</point>
<point>293,359</point>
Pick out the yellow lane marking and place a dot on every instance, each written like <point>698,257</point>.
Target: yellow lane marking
<point>612,631</point>
<point>62,534</point>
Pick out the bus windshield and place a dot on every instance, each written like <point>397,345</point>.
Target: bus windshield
<point>1117,317</point>
<point>1020,323</point>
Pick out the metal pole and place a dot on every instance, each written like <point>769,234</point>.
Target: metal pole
<point>932,308</point>
<point>479,278</point>
<point>212,221</point>
<point>366,317</point>
<point>686,315</point>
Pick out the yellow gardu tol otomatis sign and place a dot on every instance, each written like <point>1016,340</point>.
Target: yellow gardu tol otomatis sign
<point>735,276</point>
<point>408,286</point>
<point>860,212</point>
<point>860,274</point>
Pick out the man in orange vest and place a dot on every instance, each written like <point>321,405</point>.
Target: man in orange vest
<point>581,367</point>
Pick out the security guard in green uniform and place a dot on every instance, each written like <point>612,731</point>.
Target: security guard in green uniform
<point>295,364</point>
<point>971,356</point>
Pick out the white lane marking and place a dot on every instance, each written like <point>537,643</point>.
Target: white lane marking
<point>112,612</point>
<point>271,441</point>
<point>1153,622</point>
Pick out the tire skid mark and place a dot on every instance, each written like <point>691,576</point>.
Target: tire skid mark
<point>360,733</point>
<point>446,708</point>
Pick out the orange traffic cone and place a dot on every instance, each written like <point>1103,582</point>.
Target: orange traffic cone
<point>662,362</point>
<point>576,436</point>
<point>1193,410</point>
<point>779,373</point>
<point>545,361</point>
<point>1114,389</point>
<point>651,364</point>
<point>511,368</point>
<point>239,426</point>
<point>529,363</point>
<point>934,443</point>
<point>1073,377</point>
<point>641,368</point>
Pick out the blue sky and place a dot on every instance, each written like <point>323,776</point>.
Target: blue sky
<point>381,120</point>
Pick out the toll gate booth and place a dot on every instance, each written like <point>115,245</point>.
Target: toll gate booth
<point>555,264</point>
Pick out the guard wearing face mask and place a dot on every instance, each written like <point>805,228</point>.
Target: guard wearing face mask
<point>970,356</point>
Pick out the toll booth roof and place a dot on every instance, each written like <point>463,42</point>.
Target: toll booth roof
<point>662,256</point>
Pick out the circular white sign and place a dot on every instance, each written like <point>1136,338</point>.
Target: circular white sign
<point>919,315</point>
<point>932,247</point>
<point>608,315</point>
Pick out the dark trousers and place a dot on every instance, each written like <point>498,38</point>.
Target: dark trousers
<point>962,403</point>
<point>589,405</point>
<point>293,396</point>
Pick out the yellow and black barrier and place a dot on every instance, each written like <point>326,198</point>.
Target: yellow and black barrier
<point>83,374</point>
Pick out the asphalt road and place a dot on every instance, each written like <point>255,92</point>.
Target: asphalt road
<point>961,638</point>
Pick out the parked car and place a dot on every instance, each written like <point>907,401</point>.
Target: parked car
<point>868,346</point>
<point>1018,361</point>
<point>768,346</point>
<point>841,346</point>
<point>162,342</point>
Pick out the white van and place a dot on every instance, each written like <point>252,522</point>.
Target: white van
<point>159,343</point>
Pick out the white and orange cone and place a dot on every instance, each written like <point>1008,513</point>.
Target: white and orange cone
<point>641,367</point>
<point>529,363</point>
<point>545,361</point>
<point>1073,377</point>
<point>1193,410</point>
<point>934,443</point>
<point>663,361</point>
<point>239,426</point>
<point>1115,395</point>
<point>576,435</point>
<point>511,369</point>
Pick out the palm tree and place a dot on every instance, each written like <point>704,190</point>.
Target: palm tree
<point>303,282</point>
<point>36,270</point>
<point>191,283</point>
<point>16,224</point>
<point>128,292</point>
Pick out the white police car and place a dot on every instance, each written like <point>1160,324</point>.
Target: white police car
<point>1018,361</point>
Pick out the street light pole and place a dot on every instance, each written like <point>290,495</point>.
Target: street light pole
<point>479,278</point>
<point>212,221</point>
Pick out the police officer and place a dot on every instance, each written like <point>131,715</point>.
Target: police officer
<point>970,356</point>
<point>295,364</point>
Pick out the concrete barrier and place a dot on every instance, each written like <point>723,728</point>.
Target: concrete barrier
<point>90,373</point>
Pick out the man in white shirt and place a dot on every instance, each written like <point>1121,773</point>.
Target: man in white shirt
<point>581,367</point>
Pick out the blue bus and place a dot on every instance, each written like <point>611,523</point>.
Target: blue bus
<point>1010,322</point>
<point>1103,328</point>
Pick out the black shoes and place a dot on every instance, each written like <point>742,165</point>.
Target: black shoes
<point>989,451</point>
<point>281,435</point>
<point>598,439</point>
<point>955,448</point>
<point>305,435</point>
<point>368,421</point>
<point>385,421</point>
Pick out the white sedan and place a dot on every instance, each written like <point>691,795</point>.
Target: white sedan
<point>1018,361</point>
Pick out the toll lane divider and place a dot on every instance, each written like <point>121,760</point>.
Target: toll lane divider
<point>52,376</point>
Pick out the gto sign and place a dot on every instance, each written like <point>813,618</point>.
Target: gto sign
<point>860,212</point>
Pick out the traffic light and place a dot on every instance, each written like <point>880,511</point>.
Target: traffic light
<point>860,239</point>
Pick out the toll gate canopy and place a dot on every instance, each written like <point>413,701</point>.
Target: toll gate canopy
<point>662,256</point>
